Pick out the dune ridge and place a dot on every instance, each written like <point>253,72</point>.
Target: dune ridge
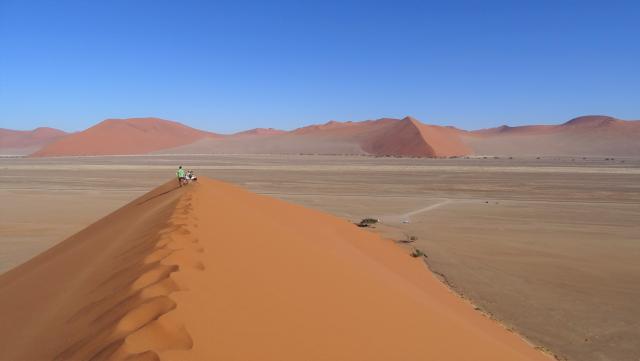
<point>211,271</point>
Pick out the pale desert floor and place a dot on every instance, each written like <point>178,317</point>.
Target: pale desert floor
<point>550,246</point>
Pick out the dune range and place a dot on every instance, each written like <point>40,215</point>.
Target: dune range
<point>406,137</point>
<point>401,137</point>
<point>211,271</point>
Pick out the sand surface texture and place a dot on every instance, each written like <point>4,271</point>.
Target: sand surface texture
<point>211,271</point>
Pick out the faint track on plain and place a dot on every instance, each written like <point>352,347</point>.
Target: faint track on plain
<point>426,209</point>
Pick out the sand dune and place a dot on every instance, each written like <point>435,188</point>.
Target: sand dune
<point>386,136</point>
<point>211,271</point>
<point>582,136</point>
<point>23,142</point>
<point>398,137</point>
<point>413,138</point>
<point>124,136</point>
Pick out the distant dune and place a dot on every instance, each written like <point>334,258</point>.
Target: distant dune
<point>583,136</point>
<point>261,131</point>
<point>213,272</point>
<point>399,137</point>
<point>409,137</point>
<point>124,136</point>
<point>23,142</point>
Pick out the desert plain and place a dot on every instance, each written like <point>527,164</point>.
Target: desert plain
<point>547,246</point>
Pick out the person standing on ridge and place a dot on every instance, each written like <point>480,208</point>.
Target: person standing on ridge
<point>181,176</point>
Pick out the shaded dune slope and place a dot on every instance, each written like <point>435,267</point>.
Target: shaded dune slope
<point>123,137</point>
<point>211,271</point>
<point>80,299</point>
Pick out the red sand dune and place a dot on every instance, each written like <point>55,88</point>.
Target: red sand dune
<point>213,272</point>
<point>588,135</point>
<point>594,135</point>
<point>124,136</point>
<point>401,137</point>
<point>409,137</point>
<point>404,137</point>
<point>27,141</point>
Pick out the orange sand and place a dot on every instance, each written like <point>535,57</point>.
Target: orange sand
<point>124,136</point>
<point>402,137</point>
<point>213,272</point>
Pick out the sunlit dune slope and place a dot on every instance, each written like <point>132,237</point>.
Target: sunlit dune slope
<point>213,272</point>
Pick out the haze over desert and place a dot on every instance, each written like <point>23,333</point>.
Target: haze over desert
<point>319,180</point>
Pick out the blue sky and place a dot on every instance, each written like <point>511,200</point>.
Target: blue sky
<point>231,65</point>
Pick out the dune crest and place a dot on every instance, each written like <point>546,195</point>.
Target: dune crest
<point>211,271</point>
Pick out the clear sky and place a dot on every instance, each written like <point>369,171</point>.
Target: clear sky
<point>231,65</point>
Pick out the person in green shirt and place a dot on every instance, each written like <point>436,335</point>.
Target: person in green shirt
<point>181,176</point>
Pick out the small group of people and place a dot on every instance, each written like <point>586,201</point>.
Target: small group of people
<point>185,177</point>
